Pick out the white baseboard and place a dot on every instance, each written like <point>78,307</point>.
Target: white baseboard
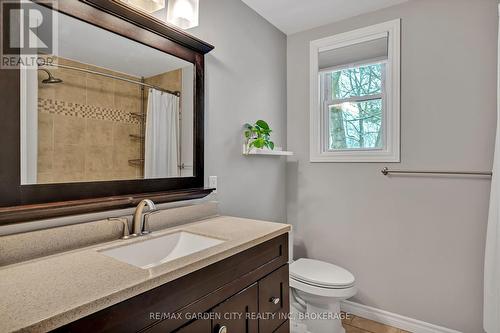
<point>392,319</point>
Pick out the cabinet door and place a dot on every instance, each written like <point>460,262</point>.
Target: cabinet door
<point>284,328</point>
<point>274,301</point>
<point>238,314</point>
<point>197,326</point>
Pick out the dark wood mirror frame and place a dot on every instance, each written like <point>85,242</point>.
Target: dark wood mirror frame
<point>21,203</point>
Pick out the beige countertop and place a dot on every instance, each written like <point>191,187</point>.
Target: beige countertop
<point>45,293</point>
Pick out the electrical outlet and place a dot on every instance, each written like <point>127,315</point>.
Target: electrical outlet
<point>212,183</point>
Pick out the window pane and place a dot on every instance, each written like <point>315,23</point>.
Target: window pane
<point>356,125</point>
<point>358,81</point>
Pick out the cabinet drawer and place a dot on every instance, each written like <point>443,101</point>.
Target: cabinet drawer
<point>274,301</point>
<point>198,326</point>
<point>235,314</point>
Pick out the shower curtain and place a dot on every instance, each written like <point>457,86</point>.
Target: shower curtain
<point>161,158</point>
<point>492,254</point>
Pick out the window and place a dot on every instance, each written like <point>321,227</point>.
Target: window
<point>355,96</point>
<point>353,103</point>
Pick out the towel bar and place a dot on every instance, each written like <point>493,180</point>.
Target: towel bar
<point>386,172</point>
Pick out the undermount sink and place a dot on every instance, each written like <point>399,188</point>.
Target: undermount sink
<point>159,250</point>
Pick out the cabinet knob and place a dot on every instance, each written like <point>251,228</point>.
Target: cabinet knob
<point>274,300</point>
<point>222,329</point>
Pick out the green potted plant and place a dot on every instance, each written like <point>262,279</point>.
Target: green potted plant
<point>258,136</point>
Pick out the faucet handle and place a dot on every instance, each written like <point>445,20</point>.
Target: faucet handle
<point>145,227</point>
<point>124,221</point>
<point>145,224</point>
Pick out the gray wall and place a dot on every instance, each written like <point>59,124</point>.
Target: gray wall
<point>415,244</point>
<point>245,81</point>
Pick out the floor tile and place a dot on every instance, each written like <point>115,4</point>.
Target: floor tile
<point>352,329</point>
<point>372,326</point>
<point>346,318</point>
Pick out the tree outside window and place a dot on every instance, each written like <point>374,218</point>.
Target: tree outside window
<point>353,101</point>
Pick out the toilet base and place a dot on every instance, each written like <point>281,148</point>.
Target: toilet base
<point>314,314</point>
<point>318,324</point>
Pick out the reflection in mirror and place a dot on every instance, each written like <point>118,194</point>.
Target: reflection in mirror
<point>105,108</point>
<point>181,13</point>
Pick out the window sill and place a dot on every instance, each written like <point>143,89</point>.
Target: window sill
<point>356,157</point>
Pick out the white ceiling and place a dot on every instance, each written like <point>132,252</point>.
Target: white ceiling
<point>291,16</point>
<point>91,45</point>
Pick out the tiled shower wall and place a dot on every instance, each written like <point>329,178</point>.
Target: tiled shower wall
<point>84,126</point>
<point>170,80</point>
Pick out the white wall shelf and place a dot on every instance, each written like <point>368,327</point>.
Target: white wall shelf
<point>269,152</point>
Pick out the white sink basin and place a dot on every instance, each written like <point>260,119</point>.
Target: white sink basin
<point>159,250</point>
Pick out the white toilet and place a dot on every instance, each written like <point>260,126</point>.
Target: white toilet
<point>316,290</point>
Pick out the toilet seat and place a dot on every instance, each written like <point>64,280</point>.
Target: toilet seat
<point>338,293</point>
<point>319,285</point>
<point>320,274</point>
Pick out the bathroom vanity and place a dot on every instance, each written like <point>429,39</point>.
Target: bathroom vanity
<point>247,292</point>
<point>238,285</point>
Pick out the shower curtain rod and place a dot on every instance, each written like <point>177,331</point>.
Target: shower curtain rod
<point>176,93</point>
<point>386,172</point>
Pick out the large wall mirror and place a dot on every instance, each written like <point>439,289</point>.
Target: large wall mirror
<point>113,114</point>
<point>104,108</point>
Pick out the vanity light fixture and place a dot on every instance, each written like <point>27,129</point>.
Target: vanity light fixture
<point>183,13</point>
<point>149,6</point>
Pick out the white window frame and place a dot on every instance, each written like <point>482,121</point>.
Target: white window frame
<point>390,151</point>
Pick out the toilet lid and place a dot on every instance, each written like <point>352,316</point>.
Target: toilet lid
<point>321,273</point>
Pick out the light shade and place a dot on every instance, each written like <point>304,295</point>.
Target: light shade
<point>149,6</point>
<point>183,13</point>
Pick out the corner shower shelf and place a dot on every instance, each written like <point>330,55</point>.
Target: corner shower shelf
<point>138,115</point>
<point>137,162</point>
<point>268,152</point>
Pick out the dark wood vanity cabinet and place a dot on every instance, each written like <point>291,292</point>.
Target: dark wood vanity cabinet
<point>232,315</point>
<point>245,293</point>
<point>239,308</point>
<point>273,300</point>
<point>197,326</point>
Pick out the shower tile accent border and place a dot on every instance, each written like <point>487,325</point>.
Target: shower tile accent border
<point>84,111</point>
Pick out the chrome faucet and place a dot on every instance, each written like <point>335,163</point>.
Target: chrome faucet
<point>138,222</point>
